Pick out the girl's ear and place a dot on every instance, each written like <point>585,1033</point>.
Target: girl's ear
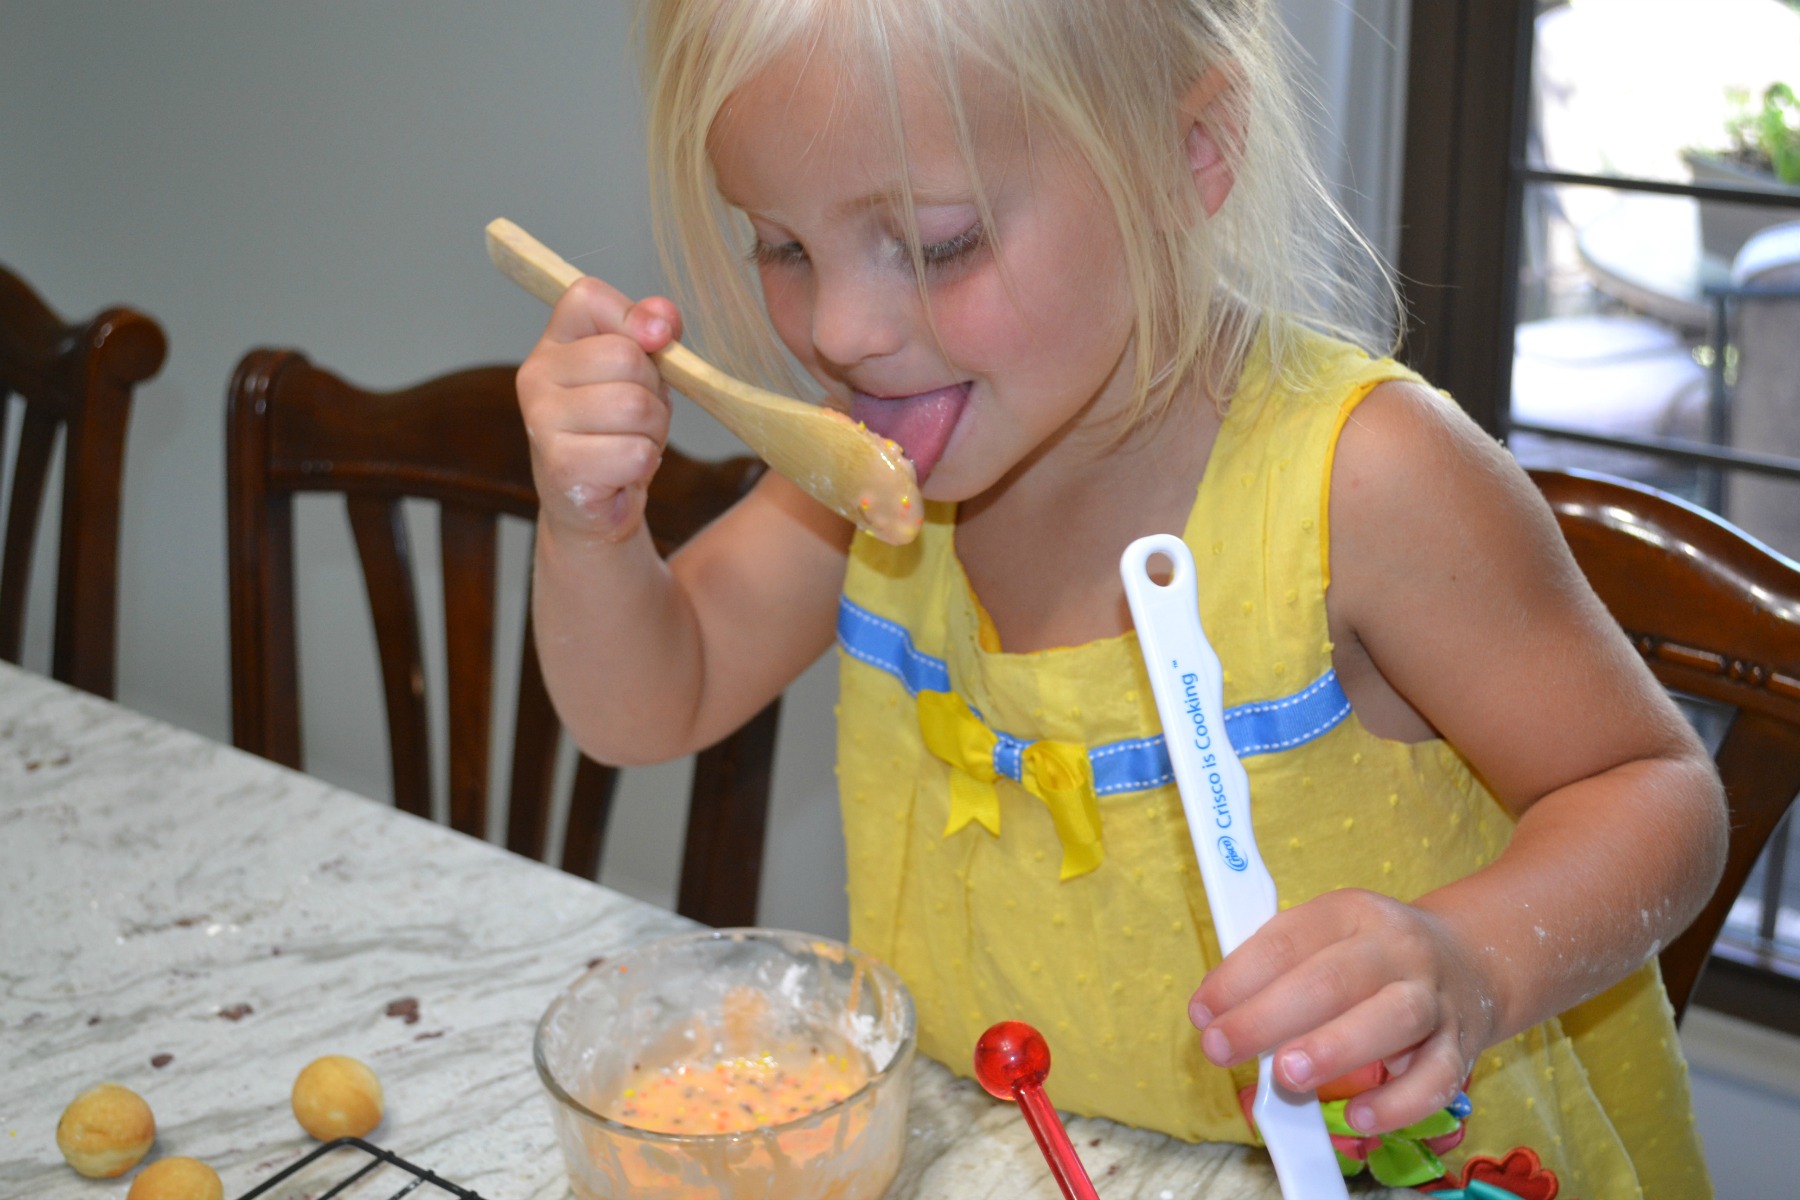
<point>1211,120</point>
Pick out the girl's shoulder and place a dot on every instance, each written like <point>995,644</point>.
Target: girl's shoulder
<point>1404,435</point>
<point>1418,490</point>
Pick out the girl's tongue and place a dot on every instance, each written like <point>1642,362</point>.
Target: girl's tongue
<point>920,424</point>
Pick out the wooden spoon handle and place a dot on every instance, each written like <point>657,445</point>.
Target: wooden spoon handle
<point>547,275</point>
<point>528,262</point>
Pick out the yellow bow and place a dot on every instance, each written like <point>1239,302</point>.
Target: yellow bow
<point>1058,773</point>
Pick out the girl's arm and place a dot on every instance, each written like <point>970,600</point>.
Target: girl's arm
<point>647,660</point>
<point>1449,572</point>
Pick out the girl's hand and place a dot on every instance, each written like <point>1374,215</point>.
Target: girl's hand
<point>1347,979</point>
<point>596,409</point>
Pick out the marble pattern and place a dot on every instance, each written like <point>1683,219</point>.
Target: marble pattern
<point>198,924</point>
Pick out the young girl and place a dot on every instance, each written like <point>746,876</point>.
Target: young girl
<point>1069,257</point>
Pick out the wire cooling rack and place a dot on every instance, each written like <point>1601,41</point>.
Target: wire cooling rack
<point>351,1167</point>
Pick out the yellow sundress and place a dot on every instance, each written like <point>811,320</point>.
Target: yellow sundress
<point>1071,900</point>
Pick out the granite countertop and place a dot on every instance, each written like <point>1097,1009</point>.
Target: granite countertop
<point>198,924</point>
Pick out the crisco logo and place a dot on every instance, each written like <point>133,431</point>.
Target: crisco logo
<point>1229,852</point>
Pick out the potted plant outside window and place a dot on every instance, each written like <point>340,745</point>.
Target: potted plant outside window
<point>1763,154</point>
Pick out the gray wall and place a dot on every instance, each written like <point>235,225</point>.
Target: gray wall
<point>318,176</point>
<point>1355,53</point>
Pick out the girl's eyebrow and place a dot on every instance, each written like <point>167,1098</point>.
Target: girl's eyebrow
<point>894,199</point>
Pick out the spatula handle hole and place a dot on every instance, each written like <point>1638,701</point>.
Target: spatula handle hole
<point>1161,561</point>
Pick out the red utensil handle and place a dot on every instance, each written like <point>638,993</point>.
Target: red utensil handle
<point>1053,1140</point>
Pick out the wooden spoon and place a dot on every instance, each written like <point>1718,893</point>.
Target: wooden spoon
<point>836,461</point>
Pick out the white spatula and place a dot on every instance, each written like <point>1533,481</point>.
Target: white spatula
<point>1215,794</point>
<point>837,462</point>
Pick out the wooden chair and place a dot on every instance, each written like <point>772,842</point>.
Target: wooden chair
<point>75,378</point>
<point>1717,616</point>
<point>457,440</point>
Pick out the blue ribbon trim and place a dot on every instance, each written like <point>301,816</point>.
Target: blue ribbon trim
<point>883,643</point>
<point>1134,765</point>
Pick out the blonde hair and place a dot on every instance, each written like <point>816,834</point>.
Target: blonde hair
<point>1106,79</point>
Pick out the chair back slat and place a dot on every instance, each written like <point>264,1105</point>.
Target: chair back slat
<point>456,440</point>
<point>78,379</point>
<point>279,695</point>
<point>590,804</point>
<point>259,550</point>
<point>720,868</point>
<point>9,620</point>
<point>379,525</point>
<point>1715,615</point>
<point>31,468</point>
<point>470,542</point>
<point>87,565</point>
<point>536,737</point>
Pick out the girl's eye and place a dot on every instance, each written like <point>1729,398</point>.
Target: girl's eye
<point>936,255</point>
<point>950,251</point>
<point>786,254</point>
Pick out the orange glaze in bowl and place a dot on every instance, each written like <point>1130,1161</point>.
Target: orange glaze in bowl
<point>739,1093</point>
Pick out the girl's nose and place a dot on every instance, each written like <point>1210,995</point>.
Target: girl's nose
<point>860,316</point>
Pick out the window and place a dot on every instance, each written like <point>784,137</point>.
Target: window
<point>1596,287</point>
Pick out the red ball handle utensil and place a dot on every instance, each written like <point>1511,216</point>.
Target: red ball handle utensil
<point>1011,1060</point>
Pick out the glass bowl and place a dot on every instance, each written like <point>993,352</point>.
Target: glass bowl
<point>660,1020</point>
